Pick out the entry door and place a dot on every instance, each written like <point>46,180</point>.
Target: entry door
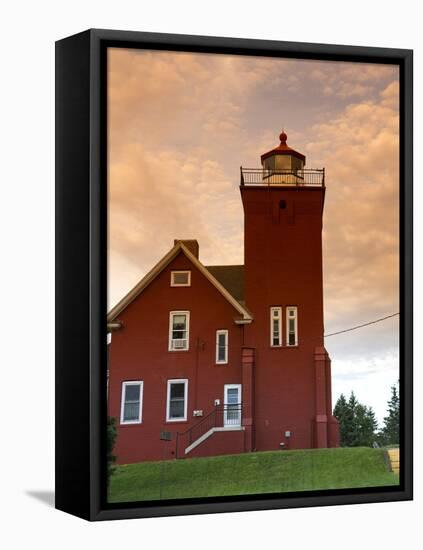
<point>232,415</point>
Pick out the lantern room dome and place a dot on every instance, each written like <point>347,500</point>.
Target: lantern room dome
<point>283,149</point>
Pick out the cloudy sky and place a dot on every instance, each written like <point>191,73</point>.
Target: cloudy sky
<point>180,126</point>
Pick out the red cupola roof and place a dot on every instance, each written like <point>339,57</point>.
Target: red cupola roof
<point>283,149</point>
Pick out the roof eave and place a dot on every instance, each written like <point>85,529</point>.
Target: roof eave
<point>274,152</point>
<point>158,268</point>
<point>243,321</point>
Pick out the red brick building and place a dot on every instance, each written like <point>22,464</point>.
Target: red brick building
<point>208,360</point>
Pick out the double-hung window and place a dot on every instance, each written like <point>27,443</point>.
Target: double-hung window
<point>131,403</point>
<point>179,330</point>
<point>222,346</point>
<point>291,326</point>
<point>177,400</point>
<point>276,326</point>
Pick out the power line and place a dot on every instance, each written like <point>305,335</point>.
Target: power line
<point>361,326</point>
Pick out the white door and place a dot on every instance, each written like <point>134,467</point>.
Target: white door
<point>232,408</point>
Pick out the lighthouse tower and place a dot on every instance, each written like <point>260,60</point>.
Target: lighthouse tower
<point>283,206</point>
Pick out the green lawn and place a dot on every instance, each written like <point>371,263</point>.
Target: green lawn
<point>250,473</point>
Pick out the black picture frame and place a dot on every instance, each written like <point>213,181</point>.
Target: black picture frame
<point>81,272</point>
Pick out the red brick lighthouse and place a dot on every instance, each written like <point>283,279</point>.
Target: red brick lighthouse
<point>208,360</point>
<point>283,205</point>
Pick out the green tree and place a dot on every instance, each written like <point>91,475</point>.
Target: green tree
<point>390,430</point>
<point>353,413</point>
<point>111,439</point>
<point>366,426</point>
<point>340,412</point>
<point>357,423</point>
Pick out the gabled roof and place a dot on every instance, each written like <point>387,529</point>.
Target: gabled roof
<point>228,276</point>
<point>231,277</point>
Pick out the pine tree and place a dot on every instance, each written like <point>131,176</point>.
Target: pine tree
<point>390,430</point>
<point>344,411</point>
<point>340,412</point>
<point>357,423</point>
<point>373,425</point>
<point>352,425</point>
<point>366,425</point>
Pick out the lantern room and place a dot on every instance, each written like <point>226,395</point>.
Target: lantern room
<point>283,157</point>
<point>282,166</point>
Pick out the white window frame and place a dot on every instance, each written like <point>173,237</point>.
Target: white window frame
<point>169,383</point>
<point>278,310</point>
<point>172,281</point>
<point>218,333</point>
<point>139,383</point>
<point>227,387</point>
<point>171,315</point>
<point>293,309</point>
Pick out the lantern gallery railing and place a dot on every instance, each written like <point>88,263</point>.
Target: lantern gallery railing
<point>259,176</point>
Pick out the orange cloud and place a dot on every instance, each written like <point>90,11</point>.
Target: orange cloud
<point>181,124</point>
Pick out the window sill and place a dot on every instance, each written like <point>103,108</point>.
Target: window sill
<point>284,347</point>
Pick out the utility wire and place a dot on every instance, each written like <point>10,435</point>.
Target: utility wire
<point>361,326</point>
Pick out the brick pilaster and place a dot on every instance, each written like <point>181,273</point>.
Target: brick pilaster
<point>248,360</point>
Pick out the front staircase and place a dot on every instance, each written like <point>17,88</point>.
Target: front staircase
<point>223,418</point>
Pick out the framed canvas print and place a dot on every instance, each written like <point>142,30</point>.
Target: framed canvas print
<point>234,274</point>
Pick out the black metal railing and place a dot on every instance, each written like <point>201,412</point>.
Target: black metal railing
<point>221,416</point>
<point>304,177</point>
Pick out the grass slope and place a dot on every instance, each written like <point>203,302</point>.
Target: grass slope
<point>251,473</point>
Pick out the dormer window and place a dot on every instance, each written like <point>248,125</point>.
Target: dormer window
<point>180,278</point>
